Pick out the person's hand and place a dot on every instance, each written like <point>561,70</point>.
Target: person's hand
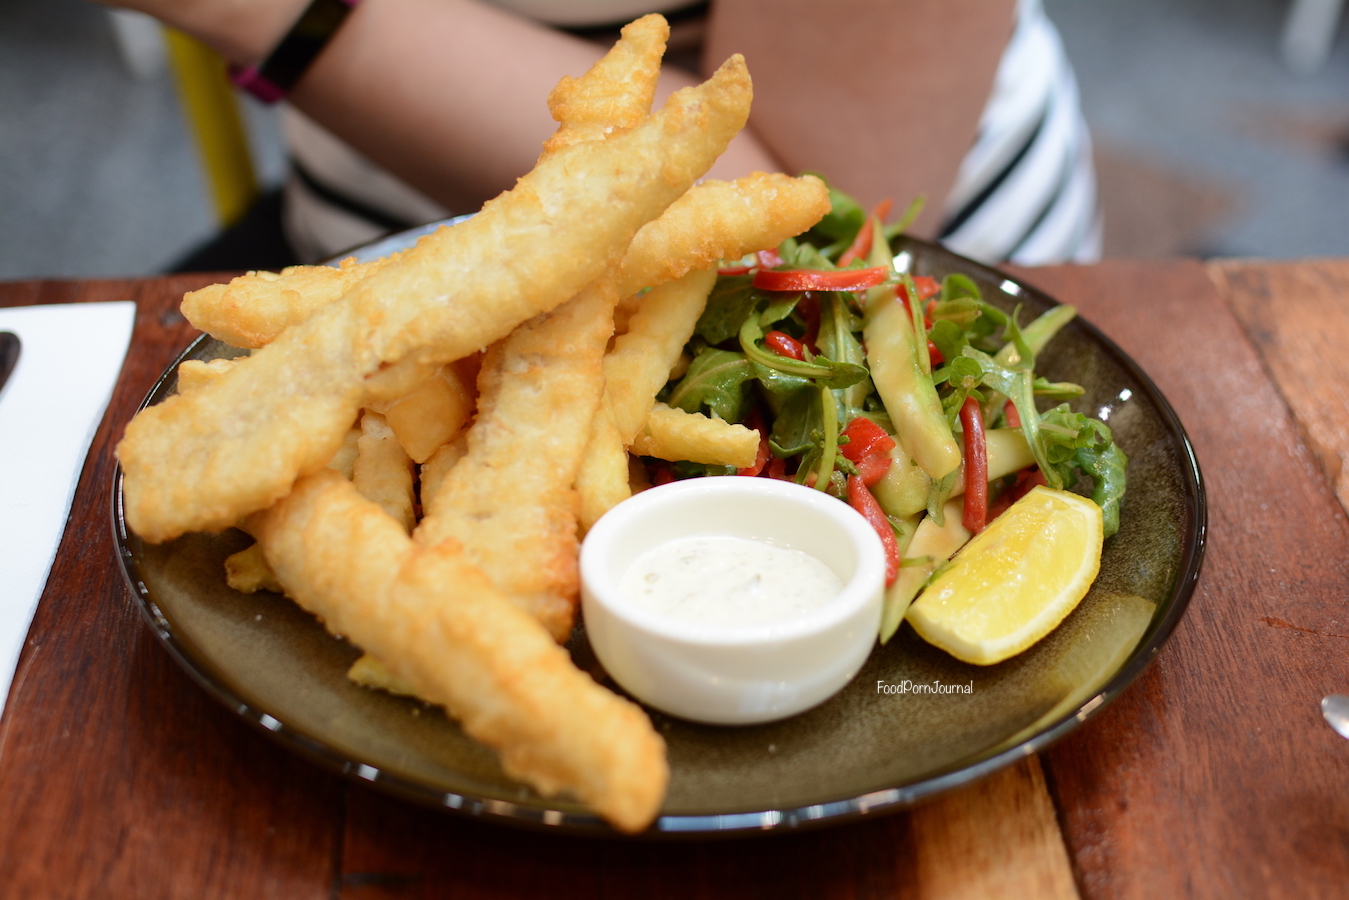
<point>244,31</point>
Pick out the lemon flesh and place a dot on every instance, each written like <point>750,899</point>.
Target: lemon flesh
<point>1014,582</point>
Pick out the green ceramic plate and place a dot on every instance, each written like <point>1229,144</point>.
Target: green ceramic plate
<point>939,724</point>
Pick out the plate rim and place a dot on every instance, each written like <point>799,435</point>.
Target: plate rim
<point>786,819</point>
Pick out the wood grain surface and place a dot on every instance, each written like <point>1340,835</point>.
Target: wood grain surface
<point>1211,776</point>
<point>1214,775</point>
<point>1297,315</point>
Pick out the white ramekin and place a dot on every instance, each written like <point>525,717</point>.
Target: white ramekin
<point>733,674</point>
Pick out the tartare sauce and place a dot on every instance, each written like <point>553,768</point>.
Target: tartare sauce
<point>724,580</point>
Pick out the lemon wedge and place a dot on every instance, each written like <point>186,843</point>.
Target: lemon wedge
<point>1016,581</point>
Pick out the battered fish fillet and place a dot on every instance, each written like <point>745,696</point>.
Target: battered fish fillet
<point>442,628</point>
<point>252,309</point>
<point>719,220</point>
<point>509,501</point>
<point>614,96</point>
<point>203,461</point>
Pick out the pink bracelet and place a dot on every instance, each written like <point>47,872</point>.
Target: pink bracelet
<point>273,78</point>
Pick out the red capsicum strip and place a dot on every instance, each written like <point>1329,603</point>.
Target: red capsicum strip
<point>754,420</point>
<point>861,245</point>
<point>976,466</point>
<point>928,287</point>
<point>865,437</point>
<point>768,259</point>
<point>809,308</point>
<point>784,344</point>
<point>820,279</point>
<point>760,458</point>
<point>1025,480</point>
<point>860,499</point>
<point>873,468</point>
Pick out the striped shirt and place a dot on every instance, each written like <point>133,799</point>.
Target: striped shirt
<point>1025,191</point>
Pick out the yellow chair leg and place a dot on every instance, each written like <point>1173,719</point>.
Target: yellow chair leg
<point>213,115</point>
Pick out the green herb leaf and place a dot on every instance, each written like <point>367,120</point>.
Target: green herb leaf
<point>797,420</point>
<point>843,221</point>
<point>730,302</point>
<point>715,380</point>
<point>822,370</point>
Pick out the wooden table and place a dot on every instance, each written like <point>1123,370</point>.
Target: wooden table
<point>1212,776</point>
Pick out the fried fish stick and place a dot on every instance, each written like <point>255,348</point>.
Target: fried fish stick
<point>440,626</point>
<point>714,220</point>
<point>677,435</point>
<point>203,461</point>
<point>616,94</point>
<point>509,501</point>
<point>370,672</point>
<point>252,309</point>
<point>193,373</point>
<point>722,220</point>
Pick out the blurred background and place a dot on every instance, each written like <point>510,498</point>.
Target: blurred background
<point>1208,141</point>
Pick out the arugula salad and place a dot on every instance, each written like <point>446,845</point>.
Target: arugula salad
<point>907,397</point>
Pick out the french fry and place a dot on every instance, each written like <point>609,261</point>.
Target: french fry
<point>435,469</point>
<point>634,370</point>
<point>602,480</point>
<point>677,435</point>
<point>248,572</point>
<point>441,627</point>
<point>370,672</point>
<point>640,362</point>
<point>344,460</point>
<point>383,472</point>
<point>431,415</point>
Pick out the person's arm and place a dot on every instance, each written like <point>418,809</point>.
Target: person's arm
<point>882,98</point>
<point>450,95</point>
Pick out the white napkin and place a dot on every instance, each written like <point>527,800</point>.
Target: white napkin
<point>49,411</point>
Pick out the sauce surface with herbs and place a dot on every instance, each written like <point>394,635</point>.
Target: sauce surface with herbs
<point>720,580</point>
